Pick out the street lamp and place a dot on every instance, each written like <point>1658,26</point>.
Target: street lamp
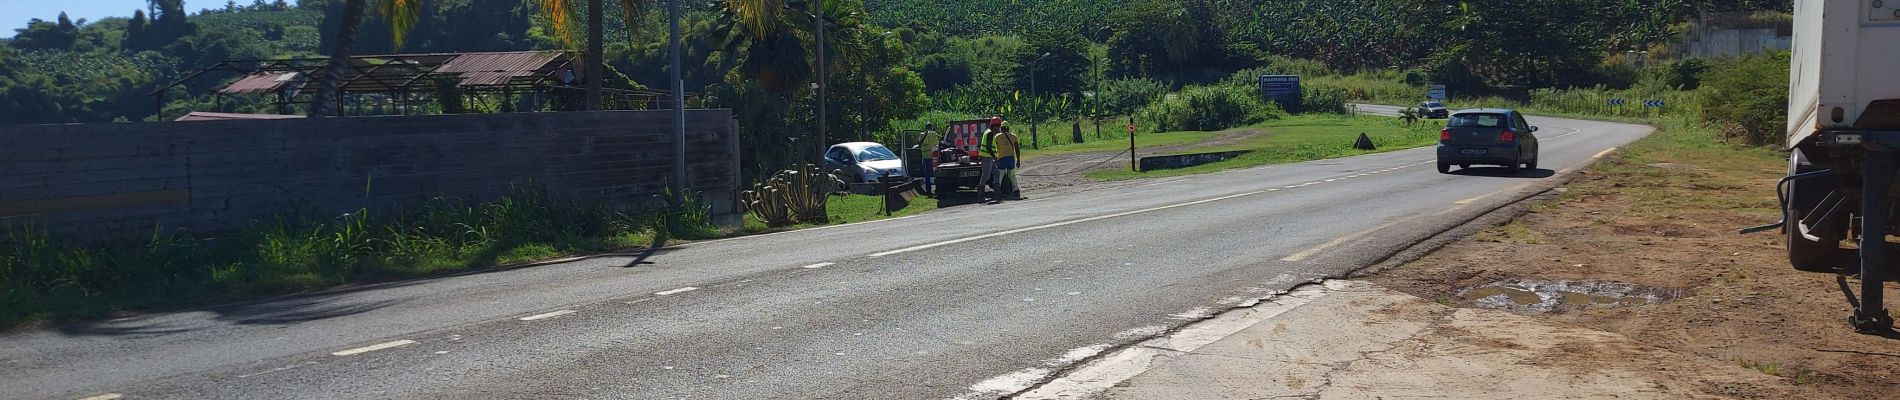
<point>1035,105</point>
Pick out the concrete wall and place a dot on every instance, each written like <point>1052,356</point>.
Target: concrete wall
<point>98,178</point>
<point>1735,42</point>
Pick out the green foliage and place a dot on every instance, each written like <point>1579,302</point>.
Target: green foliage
<point>1063,55</point>
<point>1163,38</point>
<point>1209,108</point>
<point>992,17</point>
<point>1747,97</point>
<point>1125,96</point>
<point>46,35</point>
<point>44,275</point>
<point>1318,100</point>
<point>792,197</point>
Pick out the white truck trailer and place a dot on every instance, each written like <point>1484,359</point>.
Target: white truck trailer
<point>1844,139</point>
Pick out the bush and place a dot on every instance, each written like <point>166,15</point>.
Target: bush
<point>1318,100</point>
<point>1209,108</point>
<point>50,276</point>
<point>1748,97</point>
<point>1125,96</point>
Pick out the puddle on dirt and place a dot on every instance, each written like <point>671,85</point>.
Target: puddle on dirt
<point>1541,296</point>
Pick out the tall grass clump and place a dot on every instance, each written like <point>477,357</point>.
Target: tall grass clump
<point>49,276</point>
<point>1209,108</point>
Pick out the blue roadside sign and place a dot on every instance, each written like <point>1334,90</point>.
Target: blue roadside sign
<point>1276,86</point>
<point>1653,103</point>
<point>1617,102</point>
<point>1437,92</point>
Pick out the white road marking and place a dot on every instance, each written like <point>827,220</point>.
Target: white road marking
<point>677,291</point>
<point>1303,255</point>
<point>1165,182</point>
<point>107,396</point>
<point>1058,224</point>
<point>1097,376</point>
<point>374,347</point>
<point>640,300</point>
<point>547,315</point>
<point>796,231</point>
<point>819,265</point>
<point>1605,152</point>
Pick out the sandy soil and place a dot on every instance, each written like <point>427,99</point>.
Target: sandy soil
<point>1736,299</point>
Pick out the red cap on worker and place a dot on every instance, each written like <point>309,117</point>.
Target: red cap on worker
<point>996,121</point>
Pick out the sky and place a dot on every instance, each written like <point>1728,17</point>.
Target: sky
<point>15,13</point>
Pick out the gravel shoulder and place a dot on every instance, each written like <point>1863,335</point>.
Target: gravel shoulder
<point>1664,217</point>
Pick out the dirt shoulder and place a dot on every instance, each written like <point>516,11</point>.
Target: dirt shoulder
<point>1658,219</point>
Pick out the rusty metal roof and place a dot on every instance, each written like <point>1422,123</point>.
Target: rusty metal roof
<point>397,72</point>
<point>486,69</point>
<point>261,82</point>
<point>217,116</point>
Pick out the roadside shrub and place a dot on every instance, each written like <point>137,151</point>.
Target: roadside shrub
<point>1125,96</point>
<point>53,276</point>
<point>1747,97</point>
<point>1209,108</point>
<point>1319,100</point>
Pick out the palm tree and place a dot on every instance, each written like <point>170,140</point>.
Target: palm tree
<point>402,15</point>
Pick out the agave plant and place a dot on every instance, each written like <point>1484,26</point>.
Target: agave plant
<point>793,196</point>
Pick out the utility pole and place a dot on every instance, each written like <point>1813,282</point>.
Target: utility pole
<point>1097,66</point>
<point>818,14</point>
<point>679,103</point>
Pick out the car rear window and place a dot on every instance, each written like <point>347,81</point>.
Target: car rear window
<point>1478,121</point>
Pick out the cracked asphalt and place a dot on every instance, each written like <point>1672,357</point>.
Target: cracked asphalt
<point>928,306</point>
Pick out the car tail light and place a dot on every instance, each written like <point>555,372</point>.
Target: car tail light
<point>1508,136</point>
<point>1444,135</point>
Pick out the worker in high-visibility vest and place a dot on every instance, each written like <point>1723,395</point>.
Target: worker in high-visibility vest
<point>986,154</point>
<point>1006,149</point>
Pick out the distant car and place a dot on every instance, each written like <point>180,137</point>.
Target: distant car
<point>1487,137</point>
<point>1433,110</point>
<point>863,162</point>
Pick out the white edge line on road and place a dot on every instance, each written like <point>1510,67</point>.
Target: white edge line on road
<point>676,291</point>
<point>796,231</point>
<point>547,315</point>
<point>819,265</point>
<point>107,396</point>
<point>374,347</point>
<point>1088,380</point>
<point>1058,224</point>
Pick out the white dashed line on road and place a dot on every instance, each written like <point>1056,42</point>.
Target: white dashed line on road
<point>547,315</point>
<point>819,265</point>
<point>1058,224</point>
<point>677,291</point>
<point>374,347</point>
<point>107,396</point>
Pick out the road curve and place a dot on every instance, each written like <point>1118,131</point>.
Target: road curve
<point>970,301</point>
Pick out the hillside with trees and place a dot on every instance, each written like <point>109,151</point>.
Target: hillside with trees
<point>892,61</point>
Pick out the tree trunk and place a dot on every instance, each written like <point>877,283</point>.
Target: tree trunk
<point>594,58</point>
<point>332,75</point>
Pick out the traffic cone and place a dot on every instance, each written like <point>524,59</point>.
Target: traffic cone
<point>1364,143</point>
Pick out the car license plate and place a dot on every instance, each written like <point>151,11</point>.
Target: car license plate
<point>970,174</point>
<point>1474,152</point>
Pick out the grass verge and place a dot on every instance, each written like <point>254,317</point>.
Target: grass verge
<point>1304,138</point>
<point>50,277</point>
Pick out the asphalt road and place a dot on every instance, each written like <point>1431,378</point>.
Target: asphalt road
<point>970,301</point>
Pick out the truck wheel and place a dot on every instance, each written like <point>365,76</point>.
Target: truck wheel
<point>1803,197</point>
